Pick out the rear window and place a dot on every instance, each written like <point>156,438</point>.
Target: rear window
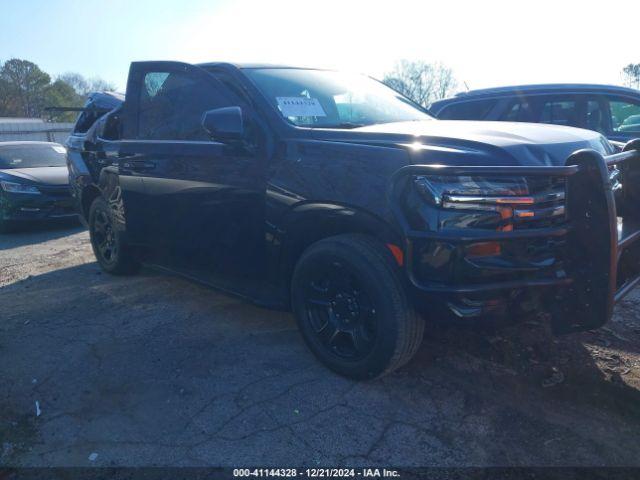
<point>476,110</point>
<point>31,156</point>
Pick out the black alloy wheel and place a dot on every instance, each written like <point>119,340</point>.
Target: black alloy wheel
<point>111,251</point>
<point>104,237</point>
<point>341,313</point>
<point>350,303</point>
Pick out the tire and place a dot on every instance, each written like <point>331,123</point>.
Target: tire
<point>350,284</point>
<point>111,251</point>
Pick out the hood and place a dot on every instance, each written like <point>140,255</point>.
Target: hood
<point>454,142</point>
<point>40,175</point>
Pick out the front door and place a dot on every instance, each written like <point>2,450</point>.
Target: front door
<point>203,199</point>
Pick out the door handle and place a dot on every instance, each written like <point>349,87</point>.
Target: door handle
<point>138,165</point>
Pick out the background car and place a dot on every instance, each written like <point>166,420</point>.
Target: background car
<point>611,110</point>
<point>630,124</point>
<point>34,183</point>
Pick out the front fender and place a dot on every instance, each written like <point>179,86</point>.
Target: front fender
<point>308,223</point>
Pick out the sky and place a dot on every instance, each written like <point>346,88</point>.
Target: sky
<point>486,42</point>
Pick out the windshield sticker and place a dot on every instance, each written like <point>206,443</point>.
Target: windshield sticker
<point>59,148</point>
<point>300,107</point>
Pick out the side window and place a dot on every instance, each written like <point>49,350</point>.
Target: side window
<point>153,82</point>
<point>596,118</point>
<point>560,111</point>
<point>171,105</point>
<point>85,120</point>
<point>519,111</point>
<point>625,115</point>
<point>110,126</point>
<point>472,110</point>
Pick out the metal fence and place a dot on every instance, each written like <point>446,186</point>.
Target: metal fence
<point>17,129</point>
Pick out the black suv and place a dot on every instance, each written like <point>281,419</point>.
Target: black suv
<point>611,110</point>
<point>331,194</point>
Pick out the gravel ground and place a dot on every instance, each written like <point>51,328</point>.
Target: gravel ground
<point>155,370</point>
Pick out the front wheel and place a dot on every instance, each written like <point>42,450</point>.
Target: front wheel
<point>111,250</point>
<point>351,307</point>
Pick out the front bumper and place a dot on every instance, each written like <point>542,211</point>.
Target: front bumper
<point>54,202</point>
<point>595,254</point>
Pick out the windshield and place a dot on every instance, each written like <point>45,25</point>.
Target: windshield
<point>30,156</point>
<point>319,98</point>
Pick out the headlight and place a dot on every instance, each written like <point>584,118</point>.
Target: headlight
<point>510,197</point>
<point>439,188</point>
<point>18,188</point>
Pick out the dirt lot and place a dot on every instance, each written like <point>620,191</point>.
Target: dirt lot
<point>154,370</point>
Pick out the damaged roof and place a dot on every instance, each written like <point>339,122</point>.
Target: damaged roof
<point>104,100</point>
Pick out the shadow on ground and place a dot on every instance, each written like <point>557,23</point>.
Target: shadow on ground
<point>154,370</point>
<point>38,232</point>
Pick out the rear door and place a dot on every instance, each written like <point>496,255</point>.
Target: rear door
<point>203,199</point>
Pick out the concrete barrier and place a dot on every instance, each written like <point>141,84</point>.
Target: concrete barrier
<point>35,129</point>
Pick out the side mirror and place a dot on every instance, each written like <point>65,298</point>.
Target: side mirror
<point>224,123</point>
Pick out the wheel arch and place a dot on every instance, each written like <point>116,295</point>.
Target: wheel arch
<point>89,194</point>
<point>309,223</point>
<point>107,186</point>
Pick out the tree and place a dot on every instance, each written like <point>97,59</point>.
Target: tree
<point>62,94</point>
<point>25,90</point>
<point>98,84</point>
<point>23,87</point>
<point>420,81</point>
<point>76,81</point>
<point>84,86</point>
<point>631,75</point>
<point>8,102</point>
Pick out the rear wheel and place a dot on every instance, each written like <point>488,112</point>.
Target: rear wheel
<point>111,251</point>
<point>351,307</point>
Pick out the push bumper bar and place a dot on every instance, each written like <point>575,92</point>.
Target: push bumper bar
<point>602,232</point>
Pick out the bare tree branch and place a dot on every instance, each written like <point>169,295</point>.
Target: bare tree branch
<point>420,81</point>
<point>631,75</point>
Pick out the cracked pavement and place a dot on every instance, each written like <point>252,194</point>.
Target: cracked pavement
<point>156,370</point>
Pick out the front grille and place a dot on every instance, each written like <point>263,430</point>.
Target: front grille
<point>549,209</point>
